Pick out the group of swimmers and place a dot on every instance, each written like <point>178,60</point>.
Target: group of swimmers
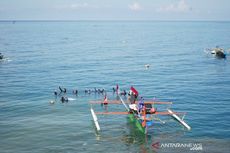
<point>116,90</point>
<point>95,90</point>
<point>63,91</point>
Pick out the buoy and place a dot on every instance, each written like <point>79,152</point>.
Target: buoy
<point>147,66</point>
<point>52,102</point>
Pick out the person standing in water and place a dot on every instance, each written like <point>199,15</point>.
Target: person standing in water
<point>75,92</point>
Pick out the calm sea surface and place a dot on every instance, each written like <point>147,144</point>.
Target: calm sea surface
<point>82,55</point>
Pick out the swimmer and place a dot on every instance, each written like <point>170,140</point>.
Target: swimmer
<point>55,92</point>
<point>61,90</point>
<point>124,93</point>
<point>64,99</point>
<point>75,92</point>
<point>95,89</point>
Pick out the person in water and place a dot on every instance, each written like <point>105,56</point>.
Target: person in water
<point>140,104</point>
<point>62,90</point>
<point>105,103</point>
<point>64,99</point>
<point>117,88</point>
<point>55,92</point>
<point>75,92</point>
<point>124,93</point>
<point>95,89</point>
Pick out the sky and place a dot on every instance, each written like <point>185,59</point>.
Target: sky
<point>194,10</point>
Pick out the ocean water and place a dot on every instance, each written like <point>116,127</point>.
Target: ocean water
<point>40,56</point>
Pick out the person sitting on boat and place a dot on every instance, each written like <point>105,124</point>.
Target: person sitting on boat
<point>153,110</point>
<point>140,104</point>
<point>133,94</point>
<point>105,102</point>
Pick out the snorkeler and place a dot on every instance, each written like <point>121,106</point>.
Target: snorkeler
<point>55,92</point>
<point>75,92</point>
<point>123,93</point>
<point>64,99</point>
<point>64,90</point>
<point>61,90</point>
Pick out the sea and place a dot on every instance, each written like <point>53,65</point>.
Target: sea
<point>40,56</point>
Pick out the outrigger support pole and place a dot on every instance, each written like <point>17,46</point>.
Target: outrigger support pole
<point>95,119</point>
<point>122,101</point>
<point>179,119</point>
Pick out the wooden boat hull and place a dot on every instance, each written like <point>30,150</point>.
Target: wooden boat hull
<point>137,123</point>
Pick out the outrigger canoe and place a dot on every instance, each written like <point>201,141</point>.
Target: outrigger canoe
<point>142,113</point>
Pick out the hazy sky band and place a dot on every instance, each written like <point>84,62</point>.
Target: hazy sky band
<point>115,10</point>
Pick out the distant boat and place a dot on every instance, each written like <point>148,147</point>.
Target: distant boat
<point>147,66</point>
<point>1,56</point>
<point>218,52</point>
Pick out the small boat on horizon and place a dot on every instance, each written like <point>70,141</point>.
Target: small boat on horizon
<point>1,56</point>
<point>218,52</point>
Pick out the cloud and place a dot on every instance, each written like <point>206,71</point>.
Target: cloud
<point>181,6</point>
<point>76,6</point>
<point>135,7</point>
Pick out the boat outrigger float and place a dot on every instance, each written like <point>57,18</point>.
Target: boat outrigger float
<point>141,113</point>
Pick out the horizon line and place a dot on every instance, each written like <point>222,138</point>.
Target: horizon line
<point>86,20</point>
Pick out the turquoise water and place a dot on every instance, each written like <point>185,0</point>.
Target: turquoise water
<point>83,55</point>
